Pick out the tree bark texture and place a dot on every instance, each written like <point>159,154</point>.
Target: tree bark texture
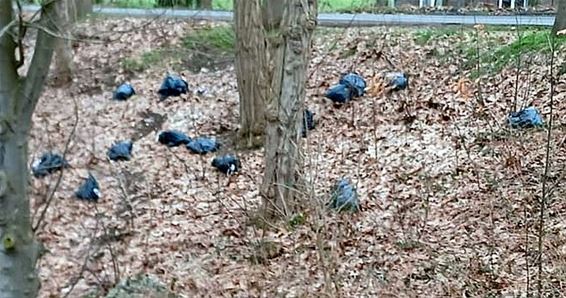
<point>290,43</point>
<point>64,50</point>
<point>560,21</point>
<point>71,11</point>
<point>18,98</point>
<point>251,70</point>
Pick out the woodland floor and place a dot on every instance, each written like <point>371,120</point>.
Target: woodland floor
<point>449,194</point>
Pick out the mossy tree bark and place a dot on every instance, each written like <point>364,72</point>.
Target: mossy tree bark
<point>18,98</point>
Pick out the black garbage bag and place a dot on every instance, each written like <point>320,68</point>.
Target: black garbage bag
<point>344,197</point>
<point>121,151</point>
<point>203,145</point>
<point>173,138</point>
<point>350,85</point>
<point>123,92</point>
<point>228,164</point>
<point>172,86</point>
<point>339,93</point>
<point>89,190</point>
<point>529,117</point>
<point>47,164</point>
<point>397,80</point>
<point>308,122</point>
<point>354,82</point>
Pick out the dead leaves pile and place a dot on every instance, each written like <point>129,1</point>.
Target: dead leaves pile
<point>445,211</point>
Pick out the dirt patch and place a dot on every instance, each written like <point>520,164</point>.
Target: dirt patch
<point>150,122</point>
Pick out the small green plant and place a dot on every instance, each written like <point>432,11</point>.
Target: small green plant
<point>297,220</point>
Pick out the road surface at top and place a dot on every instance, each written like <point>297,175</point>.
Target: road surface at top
<point>334,19</point>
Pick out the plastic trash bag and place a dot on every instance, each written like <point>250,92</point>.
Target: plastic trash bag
<point>397,80</point>
<point>350,85</point>
<point>344,196</point>
<point>339,93</point>
<point>47,164</point>
<point>123,92</point>
<point>172,86</point>
<point>173,138</point>
<point>354,82</point>
<point>89,190</point>
<point>228,164</point>
<point>308,122</point>
<point>203,145</point>
<point>121,151</point>
<point>529,117</point>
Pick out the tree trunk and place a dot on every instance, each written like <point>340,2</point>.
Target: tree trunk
<point>206,4</point>
<point>71,12</point>
<point>560,21</point>
<point>290,44</point>
<point>251,63</point>
<point>80,9</point>
<point>18,98</point>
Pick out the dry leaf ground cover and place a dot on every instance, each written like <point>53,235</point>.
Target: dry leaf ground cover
<point>449,194</point>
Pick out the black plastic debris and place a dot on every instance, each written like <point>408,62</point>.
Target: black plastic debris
<point>172,86</point>
<point>344,197</point>
<point>123,92</point>
<point>47,164</point>
<point>355,82</point>
<point>397,80</point>
<point>228,164</point>
<point>89,190</point>
<point>173,138</point>
<point>308,122</point>
<point>339,93</point>
<point>203,145</point>
<point>351,85</point>
<point>121,151</point>
<point>529,117</point>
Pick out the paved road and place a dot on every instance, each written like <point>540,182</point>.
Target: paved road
<point>337,19</point>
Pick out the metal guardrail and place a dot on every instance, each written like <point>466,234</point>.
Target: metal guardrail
<point>334,19</point>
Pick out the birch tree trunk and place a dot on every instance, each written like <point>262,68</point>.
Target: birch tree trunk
<point>560,21</point>
<point>289,39</point>
<point>251,70</point>
<point>18,98</point>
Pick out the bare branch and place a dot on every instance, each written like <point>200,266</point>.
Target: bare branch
<point>7,27</point>
<point>39,67</point>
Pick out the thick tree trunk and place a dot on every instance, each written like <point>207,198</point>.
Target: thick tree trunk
<point>560,21</point>
<point>71,11</point>
<point>290,43</point>
<point>18,98</point>
<point>251,63</point>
